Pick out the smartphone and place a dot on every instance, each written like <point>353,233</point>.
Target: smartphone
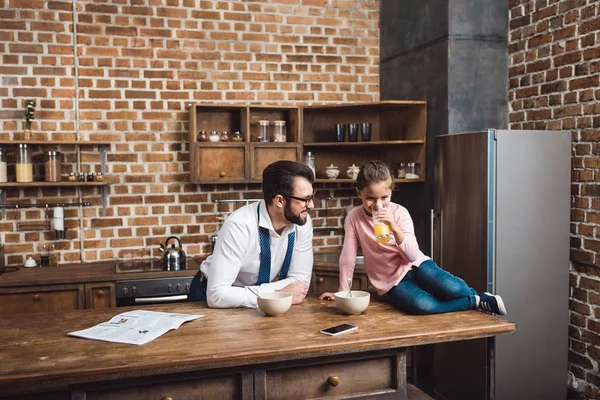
<point>338,330</point>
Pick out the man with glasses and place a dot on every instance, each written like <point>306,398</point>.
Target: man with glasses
<point>265,246</point>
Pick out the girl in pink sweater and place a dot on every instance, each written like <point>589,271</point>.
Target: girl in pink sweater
<point>412,281</point>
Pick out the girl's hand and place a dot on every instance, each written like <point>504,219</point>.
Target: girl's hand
<point>327,296</point>
<point>387,217</point>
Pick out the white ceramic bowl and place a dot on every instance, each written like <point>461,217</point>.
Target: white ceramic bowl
<point>275,303</point>
<point>352,305</point>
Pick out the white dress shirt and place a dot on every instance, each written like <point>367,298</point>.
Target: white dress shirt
<point>235,261</point>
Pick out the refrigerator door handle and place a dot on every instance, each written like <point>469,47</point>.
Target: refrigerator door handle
<point>432,217</point>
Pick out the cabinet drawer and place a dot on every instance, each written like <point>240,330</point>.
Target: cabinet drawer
<point>330,380</point>
<point>330,282</point>
<point>41,299</point>
<point>222,388</point>
<point>217,163</point>
<point>100,295</point>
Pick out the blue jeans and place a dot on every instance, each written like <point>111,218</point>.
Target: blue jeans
<point>428,289</point>
<point>197,288</point>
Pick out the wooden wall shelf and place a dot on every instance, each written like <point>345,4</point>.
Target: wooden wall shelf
<point>398,135</point>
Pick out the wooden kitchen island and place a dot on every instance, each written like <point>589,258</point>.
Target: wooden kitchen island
<point>227,354</point>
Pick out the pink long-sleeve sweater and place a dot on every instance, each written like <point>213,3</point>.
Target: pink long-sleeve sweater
<point>386,264</point>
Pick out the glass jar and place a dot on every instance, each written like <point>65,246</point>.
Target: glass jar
<point>225,136</point>
<point>279,131</point>
<point>24,168</point>
<point>214,136</point>
<point>411,171</point>
<point>401,171</point>
<point>237,137</point>
<point>52,166</point>
<point>309,160</point>
<point>90,177</point>
<point>72,177</point>
<point>263,131</point>
<point>99,177</point>
<point>3,172</point>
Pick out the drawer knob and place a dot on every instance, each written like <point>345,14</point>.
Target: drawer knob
<point>320,279</point>
<point>36,297</point>
<point>333,381</point>
<point>222,174</point>
<point>166,398</point>
<point>100,293</point>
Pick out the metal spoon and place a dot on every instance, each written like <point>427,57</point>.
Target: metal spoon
<point>255,293</point>
<point>349,281</point>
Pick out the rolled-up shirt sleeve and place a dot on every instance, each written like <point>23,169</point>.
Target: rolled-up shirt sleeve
<point>225,266</point>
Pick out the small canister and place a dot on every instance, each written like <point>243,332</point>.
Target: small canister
<point>24,166</point>
<point>279,131</point>
<point>263,131</point>
<point>52,166</point>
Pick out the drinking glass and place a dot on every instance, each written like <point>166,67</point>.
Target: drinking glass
<point>380,228</point>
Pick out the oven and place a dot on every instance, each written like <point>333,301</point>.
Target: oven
<point>148,290</point>
<point>152,291</point>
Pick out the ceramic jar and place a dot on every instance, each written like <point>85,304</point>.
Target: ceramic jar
<point>352,171</point>
<point>332,172</point>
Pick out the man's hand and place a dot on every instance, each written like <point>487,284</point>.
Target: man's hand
<point>297,289</point>
<point>327,296</point>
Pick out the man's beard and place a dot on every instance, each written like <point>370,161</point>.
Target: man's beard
<point>289,215</point>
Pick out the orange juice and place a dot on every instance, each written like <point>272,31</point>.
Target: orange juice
<point>382,232</point>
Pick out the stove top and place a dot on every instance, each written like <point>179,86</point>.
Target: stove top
<point>144,265</point>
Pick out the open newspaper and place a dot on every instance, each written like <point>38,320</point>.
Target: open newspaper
<point>135,327</point>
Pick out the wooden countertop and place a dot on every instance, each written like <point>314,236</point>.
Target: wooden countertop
<point>84,273</point>
<point>38,355</point>
<point>105,272</point>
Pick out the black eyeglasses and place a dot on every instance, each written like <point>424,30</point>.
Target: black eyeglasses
<point>306,200</point>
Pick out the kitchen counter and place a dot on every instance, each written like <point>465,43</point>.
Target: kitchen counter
<point>85,273</point>
<point>38,356</point>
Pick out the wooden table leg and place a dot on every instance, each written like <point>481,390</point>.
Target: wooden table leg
<point>400,374</point>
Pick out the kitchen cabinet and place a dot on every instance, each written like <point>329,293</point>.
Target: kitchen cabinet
<point>44,145</point>
<point>226,387</point>
<point>398,132</point>
<point>36,299</point>
<point>100,295</point>
<point>244,161</point>
<point>327,279</point>
<point>398,135</point>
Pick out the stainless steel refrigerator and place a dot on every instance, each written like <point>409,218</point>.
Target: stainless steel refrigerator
<point>501,222</point>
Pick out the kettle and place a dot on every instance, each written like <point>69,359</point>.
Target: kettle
<point>174,258</point>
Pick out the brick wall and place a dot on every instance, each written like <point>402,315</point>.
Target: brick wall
<point>555,84</point>
<point>124,71</point>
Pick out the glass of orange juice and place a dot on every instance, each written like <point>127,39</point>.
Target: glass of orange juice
<point>380,228</point>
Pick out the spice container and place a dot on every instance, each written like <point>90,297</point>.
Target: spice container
<point>90,177</point>
<point>81,177</point>
<point>202,136</point>
<point>72,177</point>
<point>3,173</point>
<point>263,131</point>
<point>224,136</point>
<point>214,137</point>
<point>24,167</point>
<point>52,166</point>
<point>279,131</point>
<point>401,174</point>
<point>237,137</point>
<point>99,177</point>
